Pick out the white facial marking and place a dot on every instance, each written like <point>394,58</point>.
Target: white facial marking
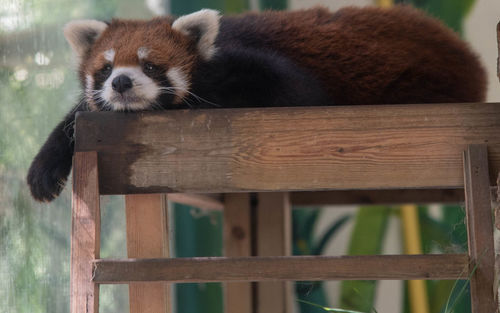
<point>109,55</point>
<point>143,92</point>
<point>142,52</point>
<point>89,89</point>
<point>180,82</point>
<point>206,24</point>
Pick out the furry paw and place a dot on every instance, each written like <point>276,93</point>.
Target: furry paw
<point>46,177</point>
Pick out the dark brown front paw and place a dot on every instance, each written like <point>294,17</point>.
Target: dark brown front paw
<point>47,176</point>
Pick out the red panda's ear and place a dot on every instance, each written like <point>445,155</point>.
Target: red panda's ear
<point>203,27</point>
<point>81,34</point>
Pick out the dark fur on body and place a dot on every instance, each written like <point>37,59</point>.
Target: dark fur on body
<point>302,58</point>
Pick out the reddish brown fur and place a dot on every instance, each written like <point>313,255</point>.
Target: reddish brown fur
<point>167,48</point>
<point>362,53</point>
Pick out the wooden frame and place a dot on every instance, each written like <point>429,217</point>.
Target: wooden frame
<point>288,149</point>
<point>325,150</point>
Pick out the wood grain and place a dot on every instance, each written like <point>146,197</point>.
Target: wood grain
<point>274,238</point>
<point>480,230</point>
<point>85,233</point>
<point>147,237</point>
<point>288,149</point>
<point>238,297</point>
<point>222,269</point>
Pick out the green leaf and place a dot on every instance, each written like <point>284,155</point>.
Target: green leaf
<point>451,12</point>
<point>318,249</point>
<point>366,239</point>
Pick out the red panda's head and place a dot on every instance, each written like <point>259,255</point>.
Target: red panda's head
<point>138,65</point>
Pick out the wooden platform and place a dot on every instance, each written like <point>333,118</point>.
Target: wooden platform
<point>327,155</point>
<point>288,149</point>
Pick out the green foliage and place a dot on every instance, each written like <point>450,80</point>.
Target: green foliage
<point>273,4</point>
<point>451,12</point>
<point>366,238</point>
<point>198,234</point>
<point>180,7</point>
<point>305,243</point>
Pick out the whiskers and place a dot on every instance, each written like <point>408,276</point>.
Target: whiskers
<point>190,104</point>
<point>101,104</point>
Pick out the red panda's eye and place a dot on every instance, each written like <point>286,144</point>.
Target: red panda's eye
<point>106,70</point>
<point>149,67</point>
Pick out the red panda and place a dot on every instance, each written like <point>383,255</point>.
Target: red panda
<point>302,58</point>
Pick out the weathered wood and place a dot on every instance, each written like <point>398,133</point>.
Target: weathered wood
<point>205,202</point>
<point>237,243</point>
<point>147,237</point>
<point>480,229</point>
<point>274,238</point>
<point>85,233</point>
<point>279,149</point>
<point>498,58</point>
<point>377,196</point>
<point>220,269</point>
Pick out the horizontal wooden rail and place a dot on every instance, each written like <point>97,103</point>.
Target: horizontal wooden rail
<point>400,196</point>
<point>288,149</point>
<point>221,269</point>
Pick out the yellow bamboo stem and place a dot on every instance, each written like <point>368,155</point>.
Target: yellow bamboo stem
<point>385,3</point>
<point>419,302</point>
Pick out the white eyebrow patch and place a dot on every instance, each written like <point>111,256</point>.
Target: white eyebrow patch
<point>142,52</point>
<point>179,81</point>
<point>109,55</point>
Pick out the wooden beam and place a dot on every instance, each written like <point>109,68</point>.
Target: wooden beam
<point>205,202</point>
<point>238,297</point>
<point>147,237</point>
<point>288,149</point>
<point>85,233</point>
<point>400,196</point>
<point>480,230</point>
<point>274,238</point>
<point>332,197</point>
<point>222,269</point>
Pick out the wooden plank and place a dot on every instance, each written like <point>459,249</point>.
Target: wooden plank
<point>400,196</point>
<point>147,237</point>
<point>85,233</point>
<point>220,269</point>
<point>480,230</point>
<point>238,297</point>
<point>205,202</point>
<point>288,149</point>
<point>274,238</point>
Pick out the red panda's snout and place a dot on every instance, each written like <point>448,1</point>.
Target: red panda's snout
<point>141,65</point>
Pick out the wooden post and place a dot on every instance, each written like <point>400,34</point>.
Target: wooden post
<point>498,58</point>
<point>237,243</point>
<point>147,237</point>
<point>85,233</point>
<point>274,239</point>
<point>480,229</point>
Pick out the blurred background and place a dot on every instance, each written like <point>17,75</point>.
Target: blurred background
<point>38,86</point>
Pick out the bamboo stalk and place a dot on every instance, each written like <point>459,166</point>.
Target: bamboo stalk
<point>419,301</point>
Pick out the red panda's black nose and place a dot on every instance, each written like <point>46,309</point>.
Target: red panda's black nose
<point>121,83</point>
